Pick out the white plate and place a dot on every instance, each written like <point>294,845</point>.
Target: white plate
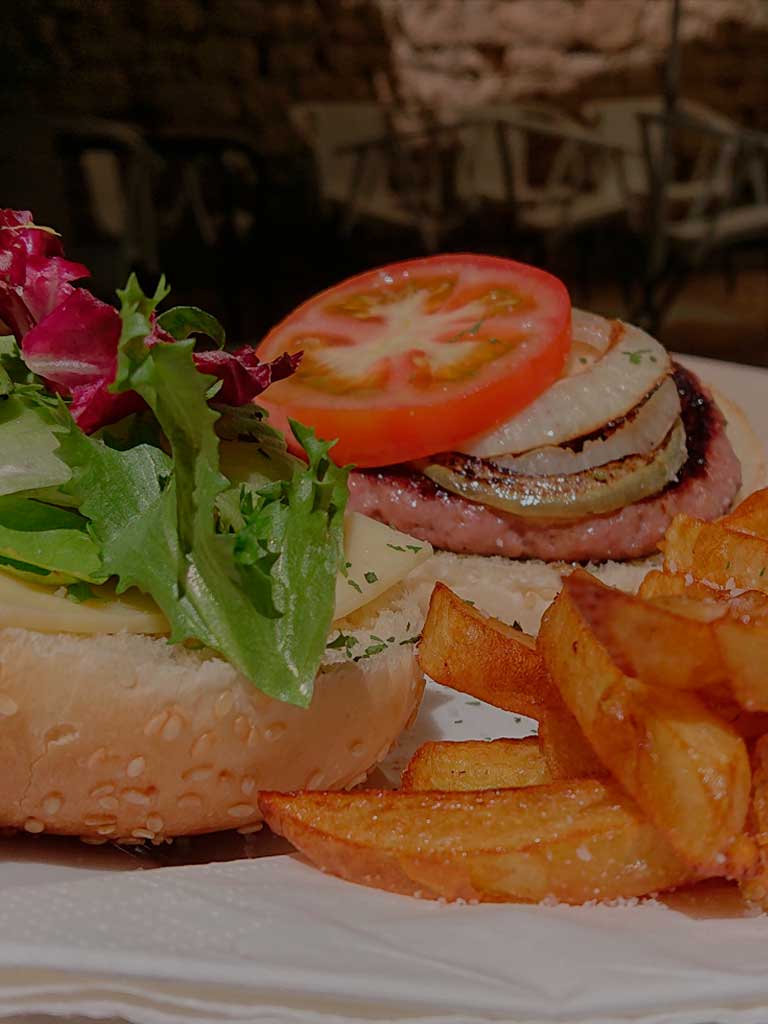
<point>275,932</point>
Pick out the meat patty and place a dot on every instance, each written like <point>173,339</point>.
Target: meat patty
<point>705,487</point>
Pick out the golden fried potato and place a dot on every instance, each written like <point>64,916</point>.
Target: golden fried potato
<point>751,516</point>
<point>716,553</point>
<point>665,642</point>
<point>477,764</point>
<point>743,648</point>
<point>566,749</point>
<point>467,651</point>
<point>755,888</point>
<point>686,767</point>
<point>475,654</point>
<point>673,584</point>
<point>574,841</point>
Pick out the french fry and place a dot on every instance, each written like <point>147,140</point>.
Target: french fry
<point>470,652</point>
<point>751,516</point>
<point>475,654</point>
<point>755,888</point>
<point>743,647</point>
<point>661,642</point>
<point>476,764</point>
<point>686,768</point>
<point>716,553</point>
<point>574,841</point>
<point>673,584</point>
<point>566,749</point>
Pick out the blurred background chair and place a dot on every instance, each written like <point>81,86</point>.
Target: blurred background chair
<point>720,207</point>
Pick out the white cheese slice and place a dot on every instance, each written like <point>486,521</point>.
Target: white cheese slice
<point>377,558</point>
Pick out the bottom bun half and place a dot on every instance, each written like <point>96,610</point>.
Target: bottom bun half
<point>128,738</point>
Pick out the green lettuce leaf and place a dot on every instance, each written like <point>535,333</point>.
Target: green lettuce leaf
<point>261,595</point>
<point>28,444</point>
<point>182,321</point>
<point>46,541</point>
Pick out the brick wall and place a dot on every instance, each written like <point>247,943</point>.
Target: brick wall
<point>219,64</point>
<point>452,54</point>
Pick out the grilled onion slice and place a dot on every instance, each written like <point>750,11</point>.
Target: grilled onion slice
<point>563,496</point>
<point>613,367</point>
<point>641,432</point>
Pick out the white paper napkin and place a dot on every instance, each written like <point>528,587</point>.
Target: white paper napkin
<point>274,939</point>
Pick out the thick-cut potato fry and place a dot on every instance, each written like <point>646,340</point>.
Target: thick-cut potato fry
<point>751,516</point>
<point>566,749</point>
<point>687,769</point>
<point>660,644</point>
<point>574,841</point>
<point>467,651</point>
<point>476,764</point>
<point>716,553</point>
<point>743,647</point>
<point>475,654</point>
<point>658,586</point>
<point>755,888</point>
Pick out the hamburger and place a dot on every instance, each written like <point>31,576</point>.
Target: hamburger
<point>170,574</point>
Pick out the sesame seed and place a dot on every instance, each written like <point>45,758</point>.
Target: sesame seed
<point>189,802</point>
<point>135,767</point>
<point>52,803</point>
<point>223,704</point>
<point>247,830</point>
<point>94,820</point>
<point>108,803</point>
<point>34,825</point>
<point>135,796</point>
<point>102,791</point>
<point>240,811</point>
<point>142,833</point>
<point>202,745</point>
<point>172,728</point>
<point>248,784</point>
<point>241,728</point>
<point>155,822</point>
<point>156,723</point>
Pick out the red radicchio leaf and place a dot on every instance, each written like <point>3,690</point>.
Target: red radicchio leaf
<point>76,344</point>
<point>243,374</point>
<point>34,278</point>
<point>94,405</point>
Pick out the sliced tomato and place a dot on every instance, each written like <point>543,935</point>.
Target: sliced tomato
<point>416,357</point>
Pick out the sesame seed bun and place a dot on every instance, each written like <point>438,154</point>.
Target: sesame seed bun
<point>125,737</point>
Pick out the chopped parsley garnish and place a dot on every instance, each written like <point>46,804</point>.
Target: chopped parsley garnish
<point>343,642</point>
<point>416,548</point>
<point>396,547</point>
<point>636,357</point>
<point>355,585</point>
<point>371,577</point>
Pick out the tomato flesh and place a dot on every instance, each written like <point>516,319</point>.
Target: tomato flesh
<point>414,358</point>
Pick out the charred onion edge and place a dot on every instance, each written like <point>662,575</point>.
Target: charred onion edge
<point>700,417</point>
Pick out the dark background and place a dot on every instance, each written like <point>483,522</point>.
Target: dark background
<point>162,135</point>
